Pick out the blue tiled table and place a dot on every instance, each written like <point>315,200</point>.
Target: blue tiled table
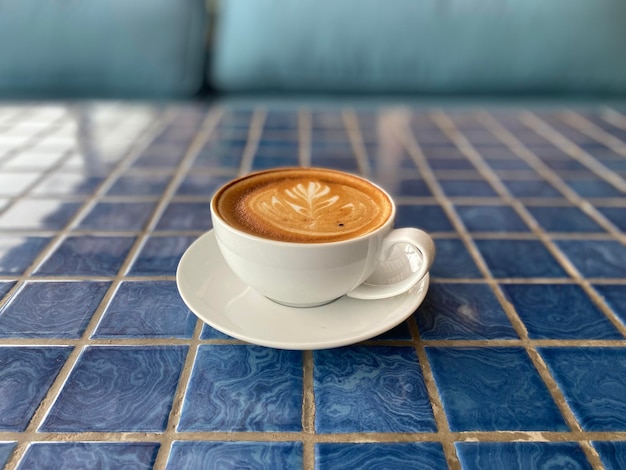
<point>516,359</point>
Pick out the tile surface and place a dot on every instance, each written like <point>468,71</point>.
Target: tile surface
<point>515,359</point>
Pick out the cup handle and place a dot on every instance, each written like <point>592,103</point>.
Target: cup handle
<point>415,238</point>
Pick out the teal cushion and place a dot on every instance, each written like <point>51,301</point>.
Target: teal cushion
<point>106,48</point>
<point>435,46</point>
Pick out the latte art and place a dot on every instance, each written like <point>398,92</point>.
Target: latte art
<point>303,205</point>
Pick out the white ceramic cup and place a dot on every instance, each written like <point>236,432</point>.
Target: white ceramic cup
<point>312,274</point>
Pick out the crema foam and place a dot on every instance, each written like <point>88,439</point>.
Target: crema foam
<point>303,205</point>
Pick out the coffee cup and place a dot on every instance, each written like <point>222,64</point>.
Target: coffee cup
<point>304,237</point>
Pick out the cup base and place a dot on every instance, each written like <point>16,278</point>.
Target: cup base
<point>313,305</point>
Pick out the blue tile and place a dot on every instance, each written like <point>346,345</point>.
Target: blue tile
<point>593,187</point>
<point>370,389</point>
<point>151,309</point>
<point>139,185</point>
<point>244,388</point>
<point>262,161</point>
<point>567,164</point>
<point>186,216</point>
<point>453,260</point>
<point>235,455</point>
<point>161,155</point>
<point>17,253</point>
<point>337,162</point>
<point>506,164</point>
<point>615,296</point>
<point>211,157</point>
<point>26,373</point>
<point>596,258</point>
<point>118,389</point>
<point>87,255</point>
<point>209,332</point>
<point>493,389</point>
<point>532,188</point>
<point>426,217</point>
<point>612,454</point>
<point>411,188</point>
<point>4,288</point>
<point>51,309</point>
<point>564,219</point>
<point>593,381</point>
<point>521,455</point>
<point>199,184</point>
<point>51,456</point>
<point>491,219</point>
<point>6,449</point>
<point>617,215</point>
<point>38,214</point>
<point>519,258</point>
<point>554,311</point>
<point>379,456</point>
<point>160,256</point>
<point>117,216</point>
<point>467,188</point>
<point>462,311</point>
<point>438,163</point>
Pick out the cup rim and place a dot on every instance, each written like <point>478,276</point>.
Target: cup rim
<point>388,224</point>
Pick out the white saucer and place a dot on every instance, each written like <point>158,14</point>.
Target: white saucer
<point>220,299</point>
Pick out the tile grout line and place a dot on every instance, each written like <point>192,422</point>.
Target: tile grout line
<point>252,140</point>
<point>449,128</point>
<point>545,130</point>
<point>308,411</point>
<point>57,385</point>
<point>523,152</point>
<point>588,128</point>
<point>351,124</point>
<point>304,137</point>
<point>613,117</point>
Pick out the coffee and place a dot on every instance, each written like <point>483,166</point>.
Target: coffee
<point>303,205</point>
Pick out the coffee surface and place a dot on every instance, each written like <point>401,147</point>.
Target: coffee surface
<point>303,205</point>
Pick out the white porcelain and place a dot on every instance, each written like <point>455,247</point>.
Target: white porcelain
<point>312,274</point>
<point>219,298</point>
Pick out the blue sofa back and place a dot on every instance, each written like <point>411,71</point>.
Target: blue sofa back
<point>103,48</point>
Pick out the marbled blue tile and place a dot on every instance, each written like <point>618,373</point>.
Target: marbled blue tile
<point>596,258</point>
<point>467,188</point>
<point>617,215</point>
<point>380,456</point>
<point>521,455</point>
<point>532,188</point>
<point>26,373</point>
<point>493,389</point>
<point>139,185</point>
<point>51,309</point>
<point>563,219</point>
<point>615,296</point>
<point>235,455</point>
<point>36,214</point>
<point>519,258</point>
<point>453,260</point>
<point>186,216</point>
<point>6,449</point>
<point>370,389</point>
<point>160,256</point>
<point>117,216</point>
<point>426,217</point>
<point>17,253</point>
<point>462,311</point>
<point>243,388</point>
<point>109,455</point>
<point>117,389</point>
<point>612,454</point>
<point>4,288</point>
<point>593,381</point>
<point>201,184</point>
<point>87,255</point>
<point>491,219</point>
<point>151,309</point>
<point>593,187</point>
<point>209,332</point>
<point>559,311</point>
<point>161,155</point>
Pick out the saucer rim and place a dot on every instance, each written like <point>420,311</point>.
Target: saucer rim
<point>414,298</point>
